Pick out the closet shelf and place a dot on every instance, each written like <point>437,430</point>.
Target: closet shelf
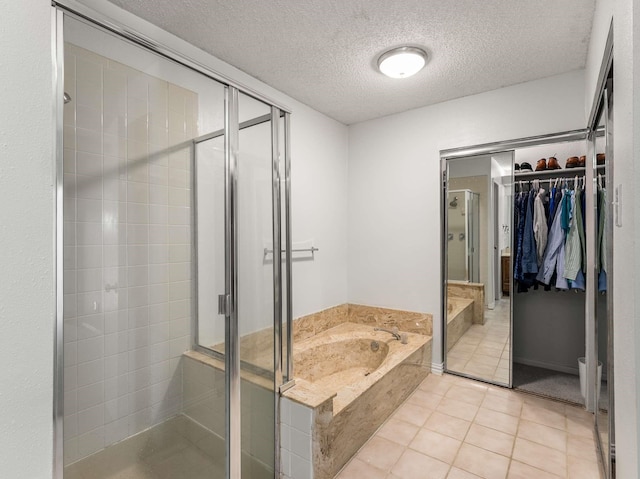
<point>563,173</point>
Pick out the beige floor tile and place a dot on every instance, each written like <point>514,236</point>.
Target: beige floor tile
<point>540,456</point>
<point>456,473</point>
<point>582,447</point>
<point>544,403</point>
<point>448,425</point>
<point>509,406</point>
<point>543,416</point>
<point>461,348</point>
<point>490,439</point>
<point>412,413</point>
<point>582,469</point>
<point>504,393</point>
<point>436,445</point>
<point>580,427</point>
<point>425,399</point>
<point>356,469</point>
<point>486,360</point>
<point>398,431</point>
<point>435,384</point>
<point>473,396</point>
<point>501,375</point>
<point>479,370</point>
<point>413,465</point>
<point>578,412</point>
<point>457,364</point>
<point>458,409</point>
<point>497,420</point>
<point>489,351</point>
<point>380,452</point>
<point>545,435</point>
<point>481,462</point>
<point>519,470</point>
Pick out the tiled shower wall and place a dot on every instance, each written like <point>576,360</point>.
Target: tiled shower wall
<point>126,249</point>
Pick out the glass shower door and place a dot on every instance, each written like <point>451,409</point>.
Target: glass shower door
<point>130,118</point>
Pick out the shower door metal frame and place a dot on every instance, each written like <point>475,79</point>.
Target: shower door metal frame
<point>170,48</point>
<point>602,107</point>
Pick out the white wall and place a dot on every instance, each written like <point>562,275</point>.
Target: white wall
<point>394,182</point>
<point>26,235</point>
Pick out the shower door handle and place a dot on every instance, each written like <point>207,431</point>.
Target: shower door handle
<point>224,302</point>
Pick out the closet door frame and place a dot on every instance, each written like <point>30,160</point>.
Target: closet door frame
<point>439,352</point>
<point>602,107</point>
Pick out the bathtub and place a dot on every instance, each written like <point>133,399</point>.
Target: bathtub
<point>350,378</point>
<point>460,314</point>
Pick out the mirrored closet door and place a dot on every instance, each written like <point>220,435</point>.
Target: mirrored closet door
<point>477,242</point>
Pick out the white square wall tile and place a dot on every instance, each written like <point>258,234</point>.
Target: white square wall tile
<point>285,436</point>
<point>301,468</point>
<point>90,396</point>
<point>90,419</point>
<point>301,417</point>
<point>301,444</point>
<point>90,372</point>
<point>90,349</point>
<point>285,463</point>
<point>91,442</point>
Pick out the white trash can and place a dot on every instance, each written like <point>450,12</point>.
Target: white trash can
<point>582,370</point>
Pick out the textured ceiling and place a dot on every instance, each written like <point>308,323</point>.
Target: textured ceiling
<point>323,53</point>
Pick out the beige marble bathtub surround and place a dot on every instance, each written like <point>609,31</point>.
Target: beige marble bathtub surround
<point>406,321</point>
<point>353,389</point>
<point>475,291</point>
<point>306,326</point>
<point>460,313</point>
<point>336,438</point>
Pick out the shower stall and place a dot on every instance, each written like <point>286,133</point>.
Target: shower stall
<point>172,333</point>
<point>463,235</point>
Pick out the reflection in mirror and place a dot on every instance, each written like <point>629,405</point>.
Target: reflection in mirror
<point>602,142</point>
<point>478,218</point>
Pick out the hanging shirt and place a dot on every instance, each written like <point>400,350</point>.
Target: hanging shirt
<point>540,228</point>
<point>602,239</point>
<point>529,253</point>
<point>552,207</point>
<point>520,208</point>
<point>555,250</point>
<point>573,247</point>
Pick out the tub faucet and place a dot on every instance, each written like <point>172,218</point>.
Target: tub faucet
<point>396,334</point>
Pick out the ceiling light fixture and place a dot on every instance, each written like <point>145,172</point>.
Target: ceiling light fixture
<point>402,62</point>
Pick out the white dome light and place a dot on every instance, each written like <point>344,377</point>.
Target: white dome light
<point>402,62</point>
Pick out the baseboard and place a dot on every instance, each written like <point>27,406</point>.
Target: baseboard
<point>437,368</point>
<point>551,366</point>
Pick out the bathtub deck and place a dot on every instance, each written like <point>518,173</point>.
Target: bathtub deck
<point>351,382</point>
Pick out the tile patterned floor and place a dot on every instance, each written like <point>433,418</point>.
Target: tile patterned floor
<point>456,428</point>
<point>483,350</point>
